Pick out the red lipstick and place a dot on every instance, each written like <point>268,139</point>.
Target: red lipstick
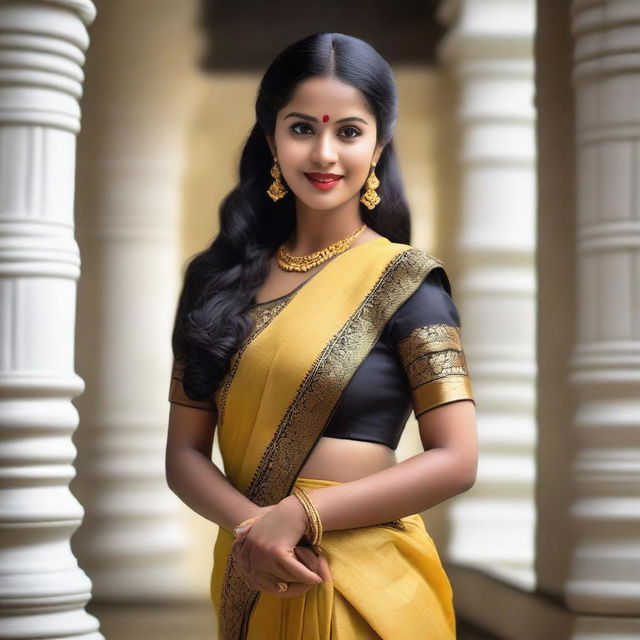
<point>323,180</point>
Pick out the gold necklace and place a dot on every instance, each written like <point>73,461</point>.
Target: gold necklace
<point>287,262</point>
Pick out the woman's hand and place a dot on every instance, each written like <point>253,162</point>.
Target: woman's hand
<point>267,551</point>
<point>306,555</point>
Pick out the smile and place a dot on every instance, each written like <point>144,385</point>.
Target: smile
<point>323,183</point>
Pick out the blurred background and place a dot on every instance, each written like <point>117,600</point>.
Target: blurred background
<point>121,125</point>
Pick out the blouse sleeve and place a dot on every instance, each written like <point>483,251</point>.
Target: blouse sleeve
<point>178,395</point>
<point>425,331</point>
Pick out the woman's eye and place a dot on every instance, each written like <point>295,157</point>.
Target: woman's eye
<point>294,128</point>
<point>299,124</point>
<point>357,133</point>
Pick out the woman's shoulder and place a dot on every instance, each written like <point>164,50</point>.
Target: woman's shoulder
<point>419,262</point>
<point>409,248</point>
<point>431,301</point>
<point>410,264</point>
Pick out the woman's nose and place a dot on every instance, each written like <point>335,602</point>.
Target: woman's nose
<point>324,151</point>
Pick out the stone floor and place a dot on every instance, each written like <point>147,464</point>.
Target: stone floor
<point>187,621</point>
<point>180,621</point>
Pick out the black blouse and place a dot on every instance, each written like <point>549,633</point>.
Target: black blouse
<point>416,350</point>
<point>417,364</point>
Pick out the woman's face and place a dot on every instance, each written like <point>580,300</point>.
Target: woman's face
<point>325,128</point>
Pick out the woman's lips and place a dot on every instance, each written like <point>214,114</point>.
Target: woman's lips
<point>324,183</point>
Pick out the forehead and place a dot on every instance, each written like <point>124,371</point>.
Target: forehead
<point>317,96</point>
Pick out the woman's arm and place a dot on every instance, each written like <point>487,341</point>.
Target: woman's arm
<point>412,486</point>
<point>191,474</point>
<point>193,477</point>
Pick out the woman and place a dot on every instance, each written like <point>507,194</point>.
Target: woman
<point>307,332</point>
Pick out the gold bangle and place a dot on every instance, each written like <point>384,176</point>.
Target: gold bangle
<point>309,531</point>
<point>311,514</point>
<point>315,523</point>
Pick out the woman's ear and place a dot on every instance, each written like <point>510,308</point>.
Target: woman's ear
<point>378,153</point>
<point>272,146</point>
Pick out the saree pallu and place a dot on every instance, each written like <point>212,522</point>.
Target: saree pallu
<point>278,395</point>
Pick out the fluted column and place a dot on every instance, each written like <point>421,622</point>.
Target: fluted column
<point>133,541</point>
<point>43,591</point>
<point>488,50</point>
<point>604,581</point>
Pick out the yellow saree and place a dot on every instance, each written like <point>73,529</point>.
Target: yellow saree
<point>277,397</point>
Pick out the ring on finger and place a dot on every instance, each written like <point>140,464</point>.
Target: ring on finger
<point>282,586</point>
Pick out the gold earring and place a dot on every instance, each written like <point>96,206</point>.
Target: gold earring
<point>370,198</point>
<point>277,190</point>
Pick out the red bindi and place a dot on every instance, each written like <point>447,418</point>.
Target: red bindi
<point>325,118</point>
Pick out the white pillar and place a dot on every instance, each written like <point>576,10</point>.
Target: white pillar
<point>43,591</point>
<point>490,54</point>
<point>133,540</point>
<point>604,580</point>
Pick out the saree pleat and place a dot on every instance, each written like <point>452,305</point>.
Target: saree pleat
<point>273,405</point>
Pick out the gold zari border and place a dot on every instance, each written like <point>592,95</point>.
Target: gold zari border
<point>436,367</point>
<point>440,392</point>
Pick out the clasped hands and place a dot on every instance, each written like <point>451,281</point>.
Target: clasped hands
<point>268,551</point>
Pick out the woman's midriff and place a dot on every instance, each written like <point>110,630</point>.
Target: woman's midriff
<point>343,460</point>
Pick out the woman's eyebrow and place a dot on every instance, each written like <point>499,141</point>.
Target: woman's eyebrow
<point>304,116</point>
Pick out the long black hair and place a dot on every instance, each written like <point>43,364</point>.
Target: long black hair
<point>212,317</point>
